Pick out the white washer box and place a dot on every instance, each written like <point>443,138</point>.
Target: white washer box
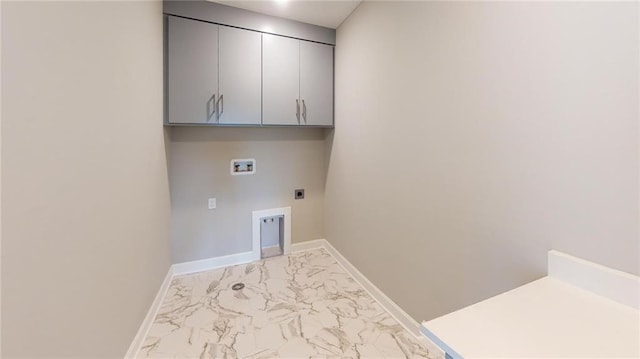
<point>245,166</point>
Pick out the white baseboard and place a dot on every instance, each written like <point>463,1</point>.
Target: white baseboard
<point>616,285</point>
<point>308,245</point>
<point>212,263</point>
<point>389,305</point>
<point>137,342</point>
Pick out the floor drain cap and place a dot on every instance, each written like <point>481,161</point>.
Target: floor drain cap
<point>237,286</point>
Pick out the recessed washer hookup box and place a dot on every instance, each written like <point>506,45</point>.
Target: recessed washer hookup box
<point>245,166</point>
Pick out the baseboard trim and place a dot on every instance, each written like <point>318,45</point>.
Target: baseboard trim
<point>385,302</point>
<point>138,340</point>
<point>308,245</point>
<point>616,285</point>
<point>212,263</point>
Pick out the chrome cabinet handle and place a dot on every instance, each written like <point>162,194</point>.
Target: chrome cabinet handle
<point>211,111</point>
<point>298,110</point>
<point>220,106</point>
<point>304,111</point>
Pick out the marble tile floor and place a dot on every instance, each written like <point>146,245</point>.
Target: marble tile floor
<point>303,305</point>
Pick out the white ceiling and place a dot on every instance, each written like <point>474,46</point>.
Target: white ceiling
<point>327,13</point>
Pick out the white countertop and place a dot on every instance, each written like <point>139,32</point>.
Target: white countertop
<point>546,318</point>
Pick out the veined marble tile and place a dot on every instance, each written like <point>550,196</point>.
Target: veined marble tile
<point>303,305</point>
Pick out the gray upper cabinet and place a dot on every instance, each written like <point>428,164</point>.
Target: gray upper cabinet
<point>280,80</point>
<point>223,75</point>
<point>192,71</point>
<point>316,84</point>
<point>297,86</point>
<point>213,74</point>
<point>239,96</point>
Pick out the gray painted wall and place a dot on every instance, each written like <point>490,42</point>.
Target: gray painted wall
<point>472,137</point>
<point>286,159</point>
<point>85,205</point>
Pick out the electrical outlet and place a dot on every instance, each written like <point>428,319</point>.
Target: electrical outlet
<point>212,203</point>
<point>298,194</point>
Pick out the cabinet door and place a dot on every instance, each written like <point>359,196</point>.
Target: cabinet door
<point>192,71</point>
<point>239,95</point>
<point>316,84</point>
<point>280,80</point>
